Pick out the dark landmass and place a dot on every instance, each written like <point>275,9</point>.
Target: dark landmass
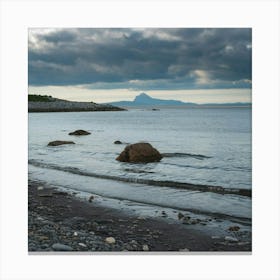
<point>45,103</point>
<point>40,98</point>
<point>58,221</point>
<point>144,99</point>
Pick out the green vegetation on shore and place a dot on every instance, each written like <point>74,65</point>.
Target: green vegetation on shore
<point>40,98</point>
<point>47,103</point>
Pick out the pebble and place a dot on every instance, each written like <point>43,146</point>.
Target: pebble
<point>61,247</point>
<point>40,188</point>
<point>243,243</point>
<point>42,238</point>
<point>180,216</point>
<point>82,245</point>
<point>234,228</point>
<point>215,237</point>
<point>231,239</point>
<point>184,250</point>
<point>145,247</point>
<point>75,233</point>
<point>110,240</point>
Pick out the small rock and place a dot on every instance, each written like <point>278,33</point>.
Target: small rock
<point>61,247</point>
<point>110,240</point>
<point>145,247</point>
<point>58,143</point>
<point>180,216</point>
<point>60,193</point>
<point>75,233</point>
<point>234,228</point>
<point>42,238</point>
<point>231,239</point>
<point>215,237</point>
<point>163,213</point>
<point>141,218</point>
<point>184,250</point>
<point>45,195</point>
<point>82,245</point>
<point>91,198</point>
<point>79,132</point>
<point>118,142</point>
<point>243,243</point>
<point>40,188</point>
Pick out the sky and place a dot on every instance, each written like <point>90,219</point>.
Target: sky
<point>201,65</point>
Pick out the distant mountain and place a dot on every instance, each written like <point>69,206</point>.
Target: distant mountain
<point>144,99</point>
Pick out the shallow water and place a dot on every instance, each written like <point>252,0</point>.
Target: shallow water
<point>204,147</point>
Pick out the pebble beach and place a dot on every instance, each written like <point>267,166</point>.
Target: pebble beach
<point>61,222</point>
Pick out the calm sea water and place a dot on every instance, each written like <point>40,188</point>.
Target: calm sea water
<point>205,146</point>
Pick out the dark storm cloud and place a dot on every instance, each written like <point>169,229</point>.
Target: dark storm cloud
<point>141,58</point>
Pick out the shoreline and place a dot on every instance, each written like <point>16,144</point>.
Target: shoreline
<point>60,222</point>
<point>59,105</point>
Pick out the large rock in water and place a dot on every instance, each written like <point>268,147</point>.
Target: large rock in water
<point>139,153</point>
<point>58,143</point>
<point>79,132</point>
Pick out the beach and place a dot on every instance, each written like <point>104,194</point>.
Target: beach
<point>60,221</point>
<point>195,198</point>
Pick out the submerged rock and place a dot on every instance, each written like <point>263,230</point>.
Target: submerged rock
<point>79,132</point>
<point>139,153</point>
<point>58,143</point>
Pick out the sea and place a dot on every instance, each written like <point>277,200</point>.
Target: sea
<point>206,164</point>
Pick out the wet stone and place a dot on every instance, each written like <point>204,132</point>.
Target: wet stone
<point>61,247</point>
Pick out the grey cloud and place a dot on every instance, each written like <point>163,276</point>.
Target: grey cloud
<point>156,58</point>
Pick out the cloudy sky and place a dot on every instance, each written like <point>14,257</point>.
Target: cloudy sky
<point>103,65</point>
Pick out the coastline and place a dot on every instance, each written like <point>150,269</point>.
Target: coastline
<point>58,105</point>
<point>58,219</point>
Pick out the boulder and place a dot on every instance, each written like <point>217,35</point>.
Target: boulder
<point>139,153</point>
<point>79,132</point>
<point>58,143</point>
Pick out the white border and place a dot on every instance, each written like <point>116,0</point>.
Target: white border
<point>262,16</point>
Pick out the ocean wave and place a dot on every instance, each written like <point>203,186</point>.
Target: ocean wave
<point>165,183</point>
<point>197,156</point>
